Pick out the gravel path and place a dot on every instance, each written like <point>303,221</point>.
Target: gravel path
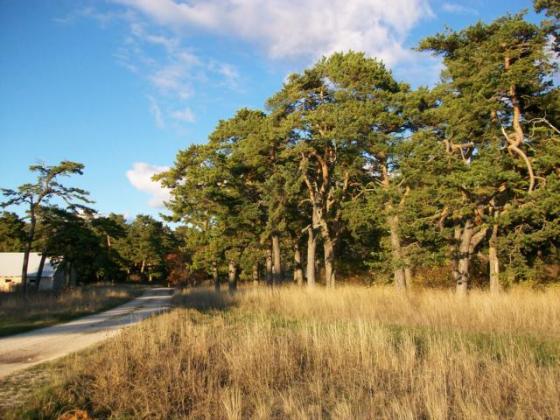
<point>22,351</point>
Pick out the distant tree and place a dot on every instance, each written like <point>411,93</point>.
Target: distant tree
<point>71,242</point>
<point>109,230</point>
<point>12,233</point>
<point>192,182</point>
<point>216,189</point>
<point>146,245</point>
<point>46,188</point>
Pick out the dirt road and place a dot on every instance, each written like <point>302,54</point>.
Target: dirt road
<point>28,349</point>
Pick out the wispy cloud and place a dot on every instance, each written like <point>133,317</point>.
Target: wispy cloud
<point>185,115</point>
<point>159,55</point>
<point>175,72</point>
<point>103,18</point>
<point>155,110</point>
<point>140,176</point>
<point>458,9</point>
<point>227,71</point>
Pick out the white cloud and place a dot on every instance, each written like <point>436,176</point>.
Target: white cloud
<point>185,115</point>
<point>155,110</point>
<point>140,176</point>
<point>299,28</point>
<point>458,9</point>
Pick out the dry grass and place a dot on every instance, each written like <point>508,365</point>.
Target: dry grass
<point>47,308</point>
<point>348,353</point>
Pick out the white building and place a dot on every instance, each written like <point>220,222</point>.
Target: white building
<point>10,272</point>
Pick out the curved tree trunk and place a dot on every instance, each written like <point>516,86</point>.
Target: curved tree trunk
<point>278,276</point>
<point>232,276</point>
<point>40,270</point>
<point>494,262</point>
<point>26,253</point>
<point>311,251</point>
<point>298,270</point>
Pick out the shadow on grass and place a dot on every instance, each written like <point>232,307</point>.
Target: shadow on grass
<point>205,300</point>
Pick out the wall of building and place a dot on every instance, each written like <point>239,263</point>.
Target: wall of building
<point>9,283</point>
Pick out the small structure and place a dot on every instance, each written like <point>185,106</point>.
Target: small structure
<point>11,264</point>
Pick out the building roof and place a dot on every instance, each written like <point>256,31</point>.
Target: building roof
<point>12,262</point>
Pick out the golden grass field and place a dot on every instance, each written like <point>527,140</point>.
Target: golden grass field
<point>347,353</point>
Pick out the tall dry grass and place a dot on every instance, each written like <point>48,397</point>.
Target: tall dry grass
<point>345,353</point>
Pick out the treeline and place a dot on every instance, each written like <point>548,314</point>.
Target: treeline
<point>60,224</point>
<point>350,170</point>
<point>97,248</point>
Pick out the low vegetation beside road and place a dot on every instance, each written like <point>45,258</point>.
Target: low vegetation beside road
<point>19,314</point>
<point>352,352</point>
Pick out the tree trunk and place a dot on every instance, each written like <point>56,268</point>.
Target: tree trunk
<point>215,276</point>
<point>269,278</point>
<point>277,274</point>
<point>455,254</point>
<point>298,270</point>
<point>311,251</point>
<point>143,266</point>
<point>67,273</point>
<point>232,276</point>
<point>328,249</point>
<point>493,261</point>
<point>255,274</point>
<point>464,259</point>
<point>73,278</point>
<point>27,251</point>
<point>40,270</point>
<point>399,274</point>
<point>408,276</point>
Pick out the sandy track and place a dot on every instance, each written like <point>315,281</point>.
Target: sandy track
<point>28,349</point>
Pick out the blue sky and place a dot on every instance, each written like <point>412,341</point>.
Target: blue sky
<point>122,85</point>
